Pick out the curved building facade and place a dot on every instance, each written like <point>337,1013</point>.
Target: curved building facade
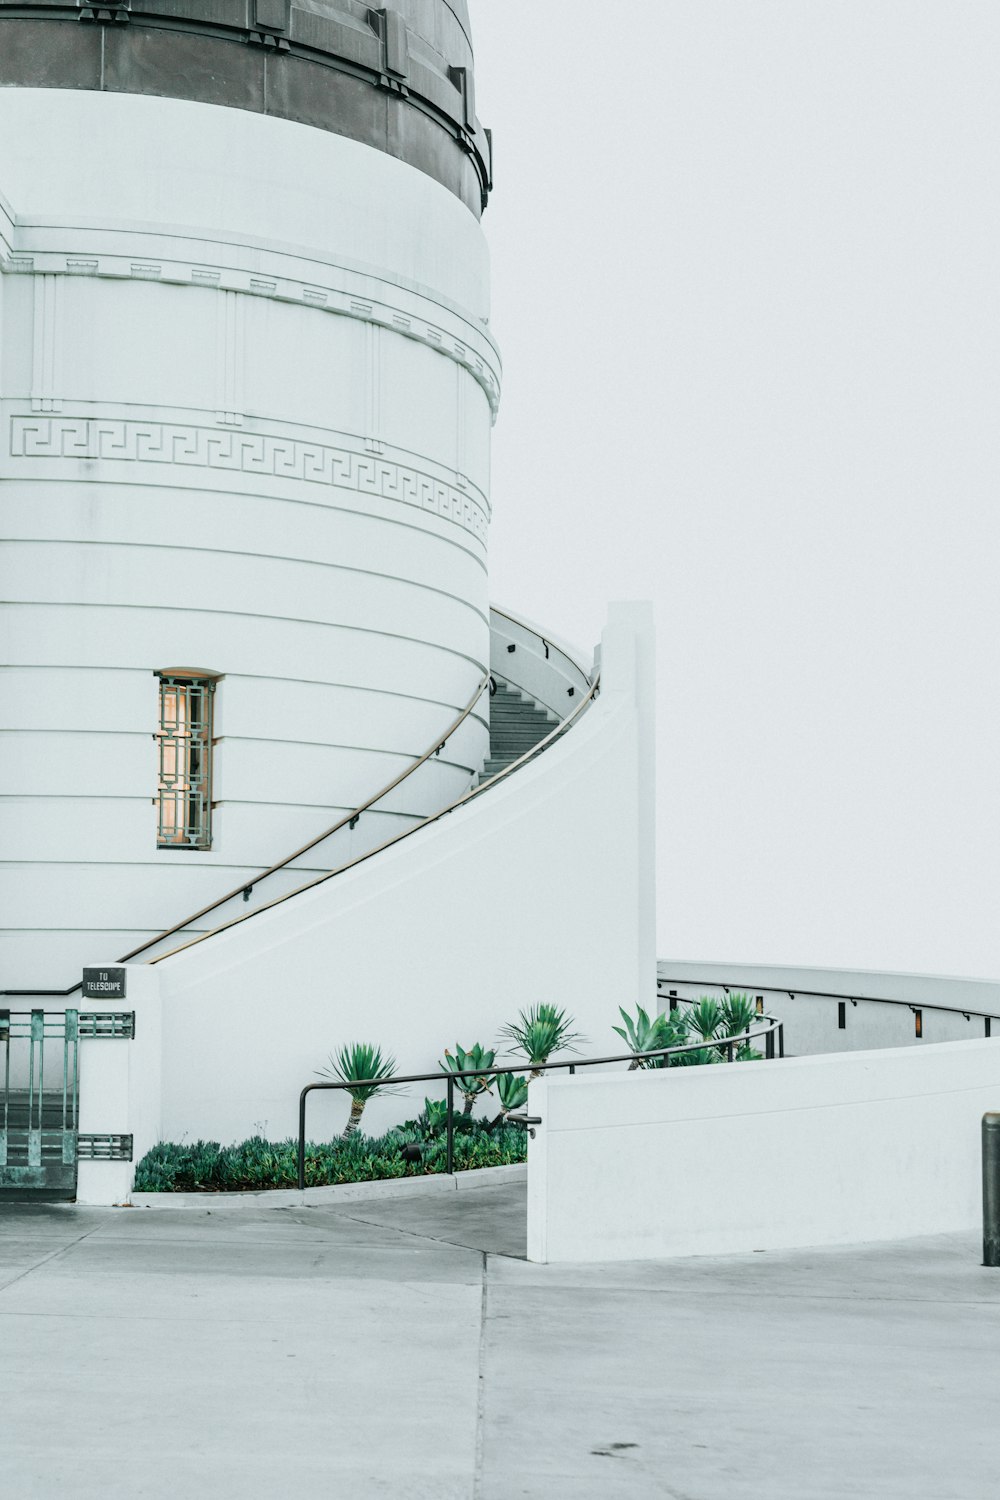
<point>247,385</point>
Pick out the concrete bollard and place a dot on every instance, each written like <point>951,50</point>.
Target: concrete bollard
<point>991,1190</point>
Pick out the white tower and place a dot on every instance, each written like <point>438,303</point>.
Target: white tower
<point>247,387</point>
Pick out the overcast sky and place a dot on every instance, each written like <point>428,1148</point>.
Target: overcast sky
<point>745,269</point>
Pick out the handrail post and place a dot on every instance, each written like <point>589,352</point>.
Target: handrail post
<point>302,1139</point>
<point>769,1045</point>
<point>450,1161</point>
<point>781,1038</point>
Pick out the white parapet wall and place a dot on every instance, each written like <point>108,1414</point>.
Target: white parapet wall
<point>724,1160</point>
<point>880,1009</point>
<point>541,889</point>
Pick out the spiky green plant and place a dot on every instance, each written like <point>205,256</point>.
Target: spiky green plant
<point>705,1018</point>
<point>673,1033</point>
<point>645,1034</point>
<point>539,1032</point>
<point>513,1091</point>
<point>738,1015</point>
<point>463,1062</point>
<point>697,1058</point>
<point>436,1115</point>
<point>361,1064</point>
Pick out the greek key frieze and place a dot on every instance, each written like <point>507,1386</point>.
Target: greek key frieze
<point>103,440</point>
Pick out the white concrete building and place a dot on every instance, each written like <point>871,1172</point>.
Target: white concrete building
<point>257,714</point>
<point>248,382</point>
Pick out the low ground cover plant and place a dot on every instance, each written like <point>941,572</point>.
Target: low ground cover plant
<point>256,1165</point>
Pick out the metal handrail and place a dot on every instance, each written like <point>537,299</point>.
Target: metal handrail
<point>772,1032</point>
<point>405,833</point>
<point>843,995</point>
<point>247,886</point>
<point>555,646</point>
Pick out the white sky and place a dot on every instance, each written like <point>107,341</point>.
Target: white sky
<point>745,267</point>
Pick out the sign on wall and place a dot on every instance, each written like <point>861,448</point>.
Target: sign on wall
<point>103,984</point>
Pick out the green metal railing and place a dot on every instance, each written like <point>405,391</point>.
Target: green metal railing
<point>39,1105</point>
<point>40,1137</point>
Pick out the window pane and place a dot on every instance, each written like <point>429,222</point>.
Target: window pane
<point>185,738</point>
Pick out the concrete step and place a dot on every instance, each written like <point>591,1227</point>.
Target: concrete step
<point>517,725</point>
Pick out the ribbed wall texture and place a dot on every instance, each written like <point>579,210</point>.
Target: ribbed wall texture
<point>246,395</point>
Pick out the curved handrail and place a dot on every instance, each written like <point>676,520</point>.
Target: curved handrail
<point>247,885</point>
<point>405,833</point>
<point>853,997</point>
<point>546,641</point>
<point>348,818</point>
<point>772,1032</point>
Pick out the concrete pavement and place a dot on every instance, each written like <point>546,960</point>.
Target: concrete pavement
<point>400,1348</point>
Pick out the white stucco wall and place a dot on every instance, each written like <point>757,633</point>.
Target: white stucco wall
<point>540,889</point>
<point>245,413</point>
<point>120,1090</point>
<point>762,1156</point>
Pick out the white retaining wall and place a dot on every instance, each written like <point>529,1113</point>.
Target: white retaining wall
<point>540,889</point>
<point>760,1156</point>
<point>948,1005</point>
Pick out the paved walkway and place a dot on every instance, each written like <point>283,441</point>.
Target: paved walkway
<point>399,1349</point>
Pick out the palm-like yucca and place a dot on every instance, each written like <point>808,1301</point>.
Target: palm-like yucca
<point>719,1023</point>
<point>363,1065</point>
<point>513,1091</point>
<point>539,1032</point>
<point>705,1018</point>
<point>738,1015</point>
<point>463,1062</point>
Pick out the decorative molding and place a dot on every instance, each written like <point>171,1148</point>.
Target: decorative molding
<point>230,361</point>
<point>43,354</point>
<point>110,439</point>
<point>373,362</point>
<point>278,288</point>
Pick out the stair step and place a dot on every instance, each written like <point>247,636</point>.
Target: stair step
<point>517,725</point>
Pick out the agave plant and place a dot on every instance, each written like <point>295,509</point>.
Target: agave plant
<point>673,1033</point>
<point>436,1114</point>
<point>361,1064</point>
<point>640,1034</point>
<point>539,1032</point>
<point>463,1062</point>
<point>643,1034</point>
<point>513,1091</point>
<point>746,1053</point>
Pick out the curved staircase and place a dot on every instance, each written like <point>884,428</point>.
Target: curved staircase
<point>517,725</point>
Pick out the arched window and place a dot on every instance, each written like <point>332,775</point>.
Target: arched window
<point>184,786</point>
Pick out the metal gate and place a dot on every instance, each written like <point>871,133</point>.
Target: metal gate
<point>40,1140</point>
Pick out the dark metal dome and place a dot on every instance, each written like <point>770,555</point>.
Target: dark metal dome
<point>398,77</point>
